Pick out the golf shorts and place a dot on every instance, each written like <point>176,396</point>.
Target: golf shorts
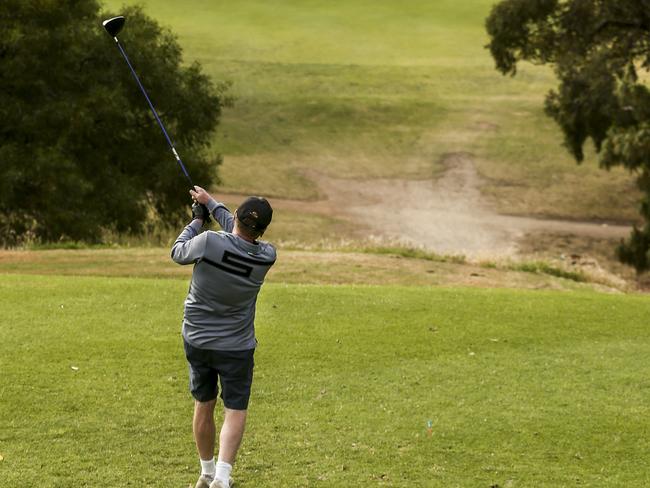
<point>232,369</point>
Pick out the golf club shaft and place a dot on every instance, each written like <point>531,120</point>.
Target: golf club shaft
<point>153,109</point>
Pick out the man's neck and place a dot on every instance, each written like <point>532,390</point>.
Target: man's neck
<point>245,237</point>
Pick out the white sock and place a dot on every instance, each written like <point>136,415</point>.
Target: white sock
<point>208,468</point>
<point>222,473</point>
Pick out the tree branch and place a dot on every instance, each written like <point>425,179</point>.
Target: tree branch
<point>621,24</point>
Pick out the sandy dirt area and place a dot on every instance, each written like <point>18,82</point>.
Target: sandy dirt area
<point>448,215</point>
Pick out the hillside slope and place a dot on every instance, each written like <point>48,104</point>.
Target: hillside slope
<point>363,90</point>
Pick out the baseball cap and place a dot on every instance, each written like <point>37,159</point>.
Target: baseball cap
<point>255,213</point>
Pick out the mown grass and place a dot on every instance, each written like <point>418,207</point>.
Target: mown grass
<point>520,389</point>
<point>382,89</point>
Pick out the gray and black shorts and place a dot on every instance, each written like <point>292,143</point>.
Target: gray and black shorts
<point>232,369</point>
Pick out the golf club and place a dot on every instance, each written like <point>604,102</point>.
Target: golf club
<point>113,26</point>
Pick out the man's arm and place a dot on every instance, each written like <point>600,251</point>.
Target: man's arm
<point>190,244</point>
<point>217,209</point>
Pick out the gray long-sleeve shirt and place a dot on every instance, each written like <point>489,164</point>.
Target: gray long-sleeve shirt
<point>228,273</point>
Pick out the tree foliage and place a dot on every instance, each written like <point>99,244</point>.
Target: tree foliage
<point>600,51</point>
<point>79,149</point>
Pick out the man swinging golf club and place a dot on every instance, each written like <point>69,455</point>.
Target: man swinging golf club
<point>218,323</point>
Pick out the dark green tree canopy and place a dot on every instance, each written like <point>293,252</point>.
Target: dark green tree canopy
<point>79,148</point>
<point>600,51</point>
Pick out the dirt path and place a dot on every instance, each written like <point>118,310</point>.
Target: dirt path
<point>448,215</point>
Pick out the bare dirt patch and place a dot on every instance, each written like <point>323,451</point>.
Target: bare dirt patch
<point>448,215</point>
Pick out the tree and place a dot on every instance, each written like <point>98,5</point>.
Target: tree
<point>600,51</point>
<point>79,149</point>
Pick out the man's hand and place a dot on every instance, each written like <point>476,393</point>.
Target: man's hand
<point>200,195</point>
<point>200,212</point>
<point>201,198</point>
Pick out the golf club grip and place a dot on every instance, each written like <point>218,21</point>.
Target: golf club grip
<point>205,207</point>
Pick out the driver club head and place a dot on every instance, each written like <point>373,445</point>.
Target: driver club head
<point>114,25</point>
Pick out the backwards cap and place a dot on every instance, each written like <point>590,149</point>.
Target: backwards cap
<point>255,213</point>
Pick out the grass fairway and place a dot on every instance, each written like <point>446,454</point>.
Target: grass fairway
<point>540,389</point>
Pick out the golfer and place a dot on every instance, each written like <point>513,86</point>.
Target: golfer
<point>218,322</point>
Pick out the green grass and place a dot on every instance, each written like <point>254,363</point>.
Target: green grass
<point>363,89</point>
<point>522,389</point>
<point>413,253</point>
<point>545,268</point>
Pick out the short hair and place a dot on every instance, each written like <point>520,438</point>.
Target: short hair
<point>247,230</point>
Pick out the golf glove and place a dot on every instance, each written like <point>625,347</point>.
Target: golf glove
<point>200,211</point>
